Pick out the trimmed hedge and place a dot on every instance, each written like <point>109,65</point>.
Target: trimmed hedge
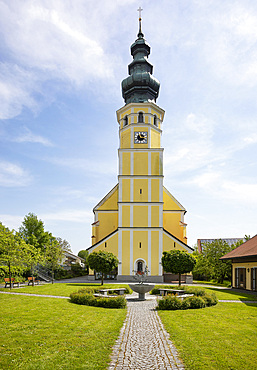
<point>210,299</point>
<point>195,302</point>
<point>200,299</point>
<point>90,300</point>
<point>170,302</point>
<point>199,292</point>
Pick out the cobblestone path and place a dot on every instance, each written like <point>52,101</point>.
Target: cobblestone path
<point>143,343</point>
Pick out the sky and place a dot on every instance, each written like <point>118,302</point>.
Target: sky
<point>61,67</point>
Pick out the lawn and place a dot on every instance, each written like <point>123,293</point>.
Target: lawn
<point>61,289</point>
<point>48,333</point>
<point>217,337</point>
<point>226,283</point>
<point>232,294</point>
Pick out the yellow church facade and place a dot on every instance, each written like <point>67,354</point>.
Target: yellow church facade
<point>139,219</point>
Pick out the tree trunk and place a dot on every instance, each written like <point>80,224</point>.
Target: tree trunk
<point>10,275</point>
<point>179,279</point>
<point>32,274</point>
<point>102,282</point>
<point>52,276</point>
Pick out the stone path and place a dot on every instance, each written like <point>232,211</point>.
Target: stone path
<point>36,295</point>
<point>143,343</point>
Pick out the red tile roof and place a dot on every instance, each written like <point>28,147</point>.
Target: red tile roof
<point>247,249</point>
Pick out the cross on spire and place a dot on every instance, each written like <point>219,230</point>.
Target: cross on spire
<point>139,10</point>
<point>140,34</point>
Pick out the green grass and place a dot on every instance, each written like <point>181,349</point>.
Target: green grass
<point>49,333</point>
<point>226,283</point>
<point>217,337</point>
<point>62,289</point>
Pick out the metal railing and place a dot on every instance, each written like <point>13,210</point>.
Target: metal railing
<point>44,273</point>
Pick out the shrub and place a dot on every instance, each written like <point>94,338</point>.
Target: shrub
<point>195,302</point>
<point>88,290</point>
<point>210,299</point>
<point>154,291</point>
<point>90,300</point>
<point>198,292</point>
<point>77,270</point>
<point>185,305</point>
<point>169,302</point>
<point>200,299</point>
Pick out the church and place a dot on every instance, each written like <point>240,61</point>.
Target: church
<point>139,218</point>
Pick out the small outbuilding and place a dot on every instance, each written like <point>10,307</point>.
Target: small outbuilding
<point>244,265</point>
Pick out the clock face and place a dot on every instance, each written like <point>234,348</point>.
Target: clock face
<point>140,137</point>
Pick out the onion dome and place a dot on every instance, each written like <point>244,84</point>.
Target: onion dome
<point>140,86</point>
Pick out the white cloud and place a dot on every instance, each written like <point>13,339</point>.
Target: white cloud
<point>29,137</point>
<point>217,184</point>
<point>16,90</point>
<point>252,139</point>
<point>53,41</point>
<point>199,124</point>
<point>229,45</point>
<point>11,221</point>
<point>101,166</point>
<point>189,144</point>
<point>13,175</point>
<point>70,215</point>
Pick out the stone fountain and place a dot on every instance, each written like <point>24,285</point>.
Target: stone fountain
<point>141,287</point>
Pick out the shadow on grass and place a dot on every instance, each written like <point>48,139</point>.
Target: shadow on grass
<point>244,296</point>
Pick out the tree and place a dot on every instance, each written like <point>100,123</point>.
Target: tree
<point>202,270</point>
<point>211,265</point>
<point>64,244</point>
<point>103,262</point>
<point>33,258</point>
<point>84,254</point>
<point>32,231</point>
<point>53,254</point>
<point>14,252</point>
<point>178,262</point>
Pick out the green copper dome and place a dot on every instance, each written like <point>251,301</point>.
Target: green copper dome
<point>140,86</point>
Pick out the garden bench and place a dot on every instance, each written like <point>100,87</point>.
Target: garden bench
<point>164,291</point>
<point>104,292</point>
<point>7,282</point>
<point>31,279</point>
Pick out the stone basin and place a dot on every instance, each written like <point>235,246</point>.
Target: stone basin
<point>141,289</point>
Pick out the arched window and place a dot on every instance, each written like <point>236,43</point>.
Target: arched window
<point>155,120</point>
<point>140,266</point>
<point>140,117</point>
<point>125,121</point>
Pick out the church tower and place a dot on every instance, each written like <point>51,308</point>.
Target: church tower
<point>139,219</point>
